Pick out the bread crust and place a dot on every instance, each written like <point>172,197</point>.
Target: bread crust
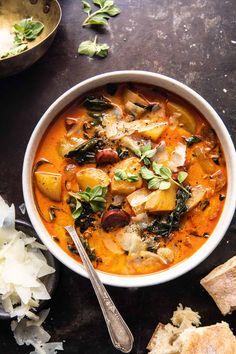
<point>220,283</point>
<point>215,339</point>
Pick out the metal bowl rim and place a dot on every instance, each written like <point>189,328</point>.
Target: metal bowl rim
<point>43,40</point>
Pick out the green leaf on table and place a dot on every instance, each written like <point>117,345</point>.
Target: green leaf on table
<point>86,7</point>
<point>92,48</point>
<point>106,10</point>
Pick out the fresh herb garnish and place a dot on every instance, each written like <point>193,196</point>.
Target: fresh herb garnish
<point>192,140</point>
<point>100,17</point>
<point>85,153</point>
<point>121,175</point>
<point>172,223</point>
<point>97,104</point>
<point>97,118</point>
<point>92,48</point>
<point>161,178</point>
<point>25,30</point>
<point>14,51</point>
<point>145,153</point>
<point>93,196</point>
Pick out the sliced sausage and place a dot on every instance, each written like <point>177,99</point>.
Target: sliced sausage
<point>106,156</point>
<point>220,180</point>
<point>114,218</point>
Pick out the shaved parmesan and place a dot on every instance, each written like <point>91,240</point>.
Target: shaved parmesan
<point>130,240</point>
<point>22,267</point>
<point>117,129</point>
<point>161,154</point>
<point>178,157</point>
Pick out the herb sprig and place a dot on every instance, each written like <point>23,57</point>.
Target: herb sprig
<point>161,178</point>
<point>95,197</point>
<point>92,48</point>
<point>121,175</point>
<point>106,10</point>
<point>145,153</point>
<point>26,30</point>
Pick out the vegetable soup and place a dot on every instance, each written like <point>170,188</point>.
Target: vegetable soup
<point>139,171</point>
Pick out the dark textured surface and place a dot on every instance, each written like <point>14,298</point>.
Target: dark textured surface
<point>190,40</point>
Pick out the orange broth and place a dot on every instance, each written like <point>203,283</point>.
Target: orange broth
<point>205,155</point>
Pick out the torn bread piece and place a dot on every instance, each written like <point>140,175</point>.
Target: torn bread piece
<point>215,339</point>
<point>164,335</point>
<point>220,283</point>
<point>183,336</point>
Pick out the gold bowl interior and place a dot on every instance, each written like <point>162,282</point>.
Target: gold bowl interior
<point>12,11</point>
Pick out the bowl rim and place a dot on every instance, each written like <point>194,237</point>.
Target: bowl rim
<point>189,95</point>
<point>44,39</point>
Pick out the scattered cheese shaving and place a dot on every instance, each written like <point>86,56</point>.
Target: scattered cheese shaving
<point>22,265</point>
<point>178,157</point>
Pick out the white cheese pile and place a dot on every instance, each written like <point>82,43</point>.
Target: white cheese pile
<point>22,265</point>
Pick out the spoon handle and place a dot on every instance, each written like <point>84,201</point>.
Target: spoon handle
<point>120,333</point>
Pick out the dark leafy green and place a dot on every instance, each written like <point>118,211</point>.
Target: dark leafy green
<point>172,223</point>
<point>85,153</point>
<point>97,104</point>
<point>122,153</point>
<point>216,160</point>
<point>192,140</point>
<point>111,89</point>
<point>90,251</point>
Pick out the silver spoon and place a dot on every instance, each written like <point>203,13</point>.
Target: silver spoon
<point>120,333</point>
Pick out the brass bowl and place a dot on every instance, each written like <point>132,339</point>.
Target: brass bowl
<point>12,11</point>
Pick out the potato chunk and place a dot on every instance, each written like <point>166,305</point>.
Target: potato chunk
<point>162,201</point>
<point>154,133</point>
<point>185,116</point>
<point>131,165</point>
<point>198,193</point>
<point>49,184</point>
<point>138,199</point>
<point>92,177</point>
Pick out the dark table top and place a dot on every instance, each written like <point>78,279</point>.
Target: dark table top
<point>193,41</point>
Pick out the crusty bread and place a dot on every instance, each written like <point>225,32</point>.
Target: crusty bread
<point>220,283</point>
<point>183,336</point>
<point>216,339</point>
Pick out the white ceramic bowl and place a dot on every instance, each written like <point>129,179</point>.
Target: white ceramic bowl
<point>165,83</point>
